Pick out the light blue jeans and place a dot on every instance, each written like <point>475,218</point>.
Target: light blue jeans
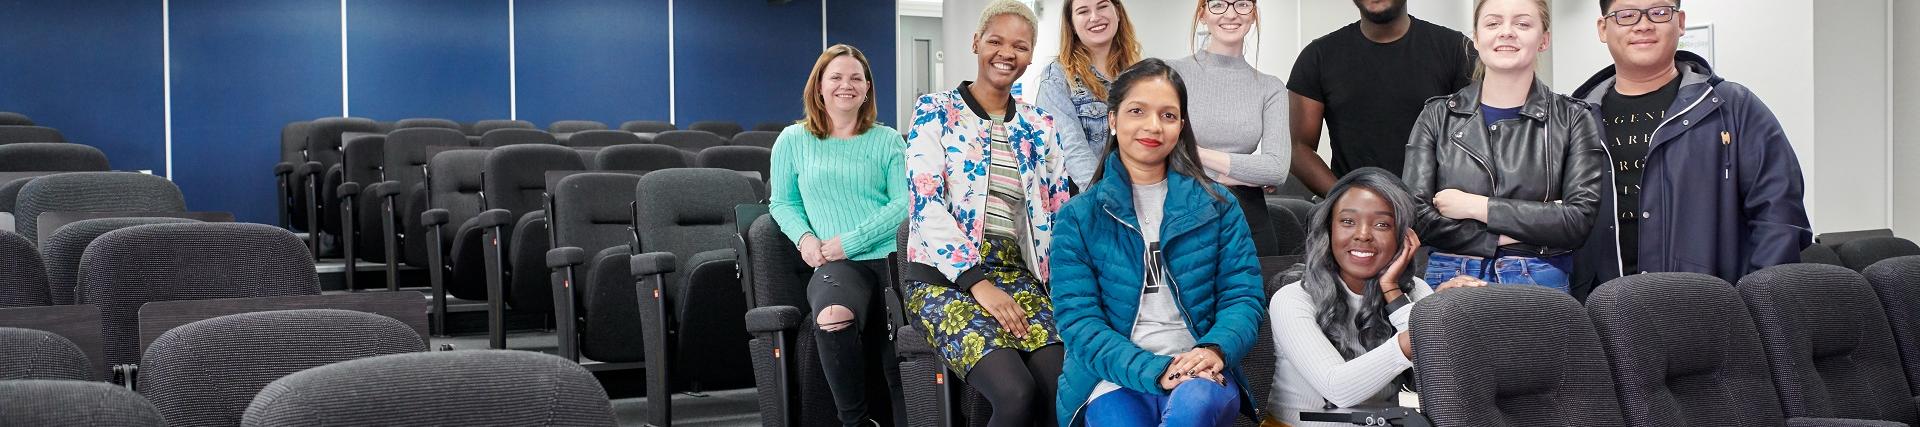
<point>1195,403</point>
<point>1509,270</point>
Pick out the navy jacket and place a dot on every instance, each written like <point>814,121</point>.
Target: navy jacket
<point>1099,265</point>
<point>1722,191</point>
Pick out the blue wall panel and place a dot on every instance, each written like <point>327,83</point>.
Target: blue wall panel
<point>443,59</point>
<point>93,69</point>
<point>743,60</point>
<point>869,26</point>
<point>603,60</point>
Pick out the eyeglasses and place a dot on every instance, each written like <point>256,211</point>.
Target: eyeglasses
<point>1656,14</point>
<point>1219,7</point>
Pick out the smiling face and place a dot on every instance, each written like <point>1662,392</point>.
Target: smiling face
<point>1510,34</point>
<point>1004,49</point>
<point>1095,22</point>
<point>1230,27</point>
<point>1645,44</point>
<point>1364,234</point>
<point>1148,123</point>
<point>844,85</point>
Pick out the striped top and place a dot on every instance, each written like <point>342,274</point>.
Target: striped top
<point>1003,185</point>
<point>853,189</point>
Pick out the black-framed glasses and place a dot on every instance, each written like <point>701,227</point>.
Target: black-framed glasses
<point>1656,14</point>
<point>1219,7</point>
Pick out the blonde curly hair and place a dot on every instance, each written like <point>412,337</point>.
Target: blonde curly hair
<point>1008,7</point>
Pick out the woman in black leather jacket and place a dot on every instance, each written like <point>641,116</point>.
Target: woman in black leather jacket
<point>1508,173</point>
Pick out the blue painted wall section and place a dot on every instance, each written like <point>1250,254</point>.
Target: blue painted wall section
<point>869,26</point>
<point>93,69</point>
<point>443,59</point>
<point>241,70</point>
<point>744,60</point>
<point>602,60</point>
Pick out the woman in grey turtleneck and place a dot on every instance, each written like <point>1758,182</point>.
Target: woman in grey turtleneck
<point>1237,110</point>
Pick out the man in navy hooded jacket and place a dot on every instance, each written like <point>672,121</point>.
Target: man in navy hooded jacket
<point>1703,178</point>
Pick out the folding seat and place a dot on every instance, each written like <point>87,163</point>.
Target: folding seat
<point>786,361</point>
<point>323,152</point>
<point>515,136</point>
<point>934,395</point>
<point>762,139</point>
<point>1685,351</point>
<point>571,126</point>
<point>251,350</point>
<point>647,126</point>
<point>126,268</point>
<point>737,158</point>
<point>642,157</point>
<point>724,129</point>
<point>515,222</point>
<point>480,128</point>
<point>63,249</point>
<point>9,118</point>
<point>692,309</point>
<point>1826,337</point>
<point>403,194</point>
<point>602,138</point>
<point>595,303</point>
<point>454,197</point>
<point>1261,360</point>
<point>690,142</point>
<point>289,186</point>
<point>53,403</point>
<point>1821,254</point>
<point>1510,355</point>
<point>10,189</point>
<point>93,192</point>
<point>1897,282</point>
<point>31,354</point>
<point>1292,231</point>
<point>50,157</point>
<point>467,387</point>
<point>1859,254</point>
<point>425,123</point>
<point>19,134</point>
<point>23,276</point>
<point>774,127</point>
<point>356,217</point>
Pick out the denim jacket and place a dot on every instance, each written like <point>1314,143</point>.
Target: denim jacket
<point>1074,104</point>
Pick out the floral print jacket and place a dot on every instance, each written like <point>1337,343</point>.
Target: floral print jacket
<point>947,157</point>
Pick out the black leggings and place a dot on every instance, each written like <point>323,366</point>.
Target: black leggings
<point>1020,385</point>
<point>844,352</point>
<point>1253,203</point>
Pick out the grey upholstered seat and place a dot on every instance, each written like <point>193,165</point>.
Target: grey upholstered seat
<point>1821,254</point>
<point>593,212</point>
<point>1828,343</point>
<point>641,157</point>
<point>737,158</point>
<point>19,134</point>
<point>482,127</point>
<point>1897,282</point>
<point>93,192</point>
<point>425,123</point>
<point>50,157</point>
<point>647,126</point>
<point>722,128</point>
<point>405,163</point>
<point>758,138</point>
<point>686,216</point>
<point>63,249</point>
<point>29,354</point>
<point>55,403</point>
<point>780,321</point>
<point>252,349</point>
<point>689,141</point>
<point>602,138</point>
<point>514,136</point>
<point>23,274</point>
<point>466,388</point>
<point>9,118</point>
<point>1858,254</point>
<point>571,126</point>
<point>1510,355</point>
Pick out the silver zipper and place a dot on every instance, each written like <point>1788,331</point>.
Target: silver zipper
<point>1656,134</point>
<point>1483,163</point>
<point>1171,283</point>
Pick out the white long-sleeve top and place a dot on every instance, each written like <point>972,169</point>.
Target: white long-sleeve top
<point>1312,373</point>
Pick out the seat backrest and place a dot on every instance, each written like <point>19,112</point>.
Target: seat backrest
<point>23,275</point>
<point>515,136</point>
<point>571,126</point>
<point>590,210</point>
<point>602,138</point>
<point>426,123</point>
<point>324,137</point>
<point>779,274</point>
<point>364,161</point>
<point>1683,348</point>
<point>1510,355</point>
<point>691,141</point>
<point>456,186</point>
<point>484,126</point>
<point>758,138</point>
<point>9,118</point>
<point>126,268</point>
<point>63,249</point>
<point>774,127</point>
<point>407,152</point>
<point>1260,362</point>
<point>19,134</point>
<point>11,184</point>
<point>738,158</point>
<point>293,142</point>
<point>250,350</point>
<point>724,129</point>
<point>1859,254</point>
<point>31,354</point>
<point>492,387</point>
<point>1897,282</point>
<point>516,176</point>
<point>647,126</point>
<point>1289,229</point>
<point>641,157</point>
<point>1827,340</point>
<point>93,192</point>
<point>51,156</point>
<point>56,403</point>
<point>688,211</point>
<point>1821,254</point>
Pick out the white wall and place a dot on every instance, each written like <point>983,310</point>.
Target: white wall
<point>1850,180</point>
<point>1906,119</point>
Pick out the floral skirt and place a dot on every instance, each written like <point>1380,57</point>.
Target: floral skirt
<point>962,331</point>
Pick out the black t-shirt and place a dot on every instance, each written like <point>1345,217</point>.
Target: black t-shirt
<point>1630,122</point>
<point>1373,92</point>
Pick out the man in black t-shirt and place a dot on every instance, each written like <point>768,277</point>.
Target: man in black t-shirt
<point>1629,121</point>
<point>1368,81</point>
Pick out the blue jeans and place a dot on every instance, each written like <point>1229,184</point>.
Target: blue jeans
<point>1195,403</point>
<point>1510,270</point>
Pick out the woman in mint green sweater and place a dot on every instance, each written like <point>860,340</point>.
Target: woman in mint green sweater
<point>839,191</point>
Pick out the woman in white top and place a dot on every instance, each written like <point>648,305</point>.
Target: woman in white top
<point>1341,331</point>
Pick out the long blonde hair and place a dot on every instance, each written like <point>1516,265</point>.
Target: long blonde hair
<point>1077,60</point>
<point>817,121</point>
<point>1546,27</point>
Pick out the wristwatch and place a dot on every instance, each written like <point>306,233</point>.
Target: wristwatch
<point>1397,303</point>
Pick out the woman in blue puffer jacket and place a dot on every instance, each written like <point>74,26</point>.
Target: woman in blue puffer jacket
<point>1156,287</point>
